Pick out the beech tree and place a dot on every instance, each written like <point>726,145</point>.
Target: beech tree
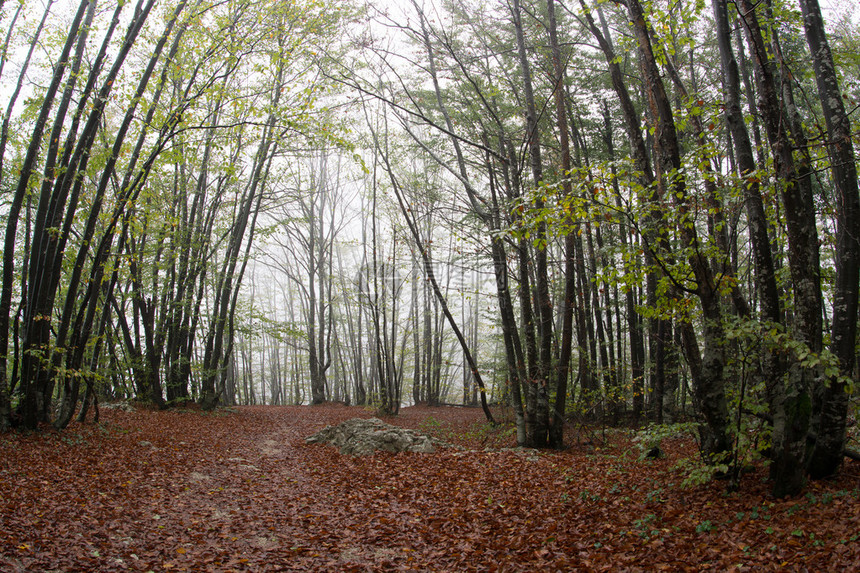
<point>311,218</point>
<point>58,199</point>
<point>96,201</point>
<point>690,254</point>
<point>831,397</point>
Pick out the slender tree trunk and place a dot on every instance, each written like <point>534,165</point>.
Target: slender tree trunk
<point>653,227</point>
<point>539,386</point>
<point>431,277</point>
<point>710,385</point>
<point>634,328</point>
<point>556,430</point>
<point>83,321</point>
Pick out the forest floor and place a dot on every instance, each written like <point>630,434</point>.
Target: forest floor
<point>239,490</point>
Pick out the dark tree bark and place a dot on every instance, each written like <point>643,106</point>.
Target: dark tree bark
<point>831,400</point>
<point>84,317</point>
<point>515,359</point>
<point>314,218</point>
<point>229,279</point>
<point>14,210</point>
<point>431,277</point>
<point>25,172</point>
<point>765,272</point>
<point>793,400</point>
<point>653,228</point>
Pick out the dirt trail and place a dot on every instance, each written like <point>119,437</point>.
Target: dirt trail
<point>241,491</point>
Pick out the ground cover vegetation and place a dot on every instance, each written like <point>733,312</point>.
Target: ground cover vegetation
<point>241,490</point>
<point>593,216</point>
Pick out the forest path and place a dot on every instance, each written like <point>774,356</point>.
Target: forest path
<point>240,490</point>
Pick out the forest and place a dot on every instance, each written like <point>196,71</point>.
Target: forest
<point>571,214</point>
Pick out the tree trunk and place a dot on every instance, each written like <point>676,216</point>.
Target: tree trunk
<point>556,431</point>
<point>539,385</point>
<point>30,406</point>
<point>831,399</point>
<point>710,385</point>
<point>792,402</point>
<point>634,328</point>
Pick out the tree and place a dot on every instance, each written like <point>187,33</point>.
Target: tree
<point>61,187</point>
<point>830,398</point>
<point>793,400</point>
<point>95,252</point>
<point>556,437</point>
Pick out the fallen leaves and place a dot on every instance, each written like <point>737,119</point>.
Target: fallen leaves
<point>184,491</point>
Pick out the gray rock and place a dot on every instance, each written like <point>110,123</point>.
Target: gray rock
<point>360,437</point>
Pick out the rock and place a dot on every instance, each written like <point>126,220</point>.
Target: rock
<point>124,406</point>
<point>653,453</point>
<point>360,437</point>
